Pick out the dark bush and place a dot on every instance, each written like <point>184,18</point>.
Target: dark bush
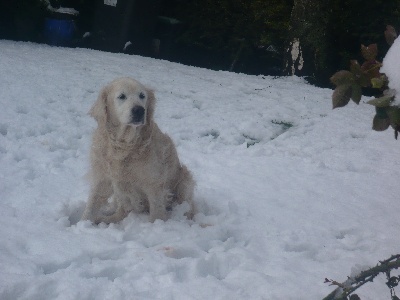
<point>231,33</point>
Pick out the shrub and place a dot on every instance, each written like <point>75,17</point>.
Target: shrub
<point>228,29</point>
<point>349,85</point>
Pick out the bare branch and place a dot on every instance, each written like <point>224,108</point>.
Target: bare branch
<point>353,283</point>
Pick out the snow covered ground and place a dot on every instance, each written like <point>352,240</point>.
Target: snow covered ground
<point>289,191</point>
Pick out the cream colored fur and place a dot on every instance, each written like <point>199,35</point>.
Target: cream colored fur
<point>133,167</point>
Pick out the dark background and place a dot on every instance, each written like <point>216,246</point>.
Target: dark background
<point>246,36</point>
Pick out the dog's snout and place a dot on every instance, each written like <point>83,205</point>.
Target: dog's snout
<point>137,115</point>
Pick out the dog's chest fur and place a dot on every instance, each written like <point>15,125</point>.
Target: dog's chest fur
<point>141,164</point>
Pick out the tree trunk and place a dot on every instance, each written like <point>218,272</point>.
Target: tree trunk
<point>307,45</point>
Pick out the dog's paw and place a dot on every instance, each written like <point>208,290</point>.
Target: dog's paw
<point>158,216</point>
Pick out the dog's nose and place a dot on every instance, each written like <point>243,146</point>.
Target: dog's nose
<point>137,115</point>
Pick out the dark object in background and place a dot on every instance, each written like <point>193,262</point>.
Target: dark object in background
<point>7,27</point>
<point>26,19</point>
<point>60,27</point>
<point>59,32</point>
<point>125,25</point>
<point>167,31</point>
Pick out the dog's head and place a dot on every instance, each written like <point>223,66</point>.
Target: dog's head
<point>124,101</point>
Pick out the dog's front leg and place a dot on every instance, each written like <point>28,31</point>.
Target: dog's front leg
<point>100,192</point>
<point>158,205</point>
<point>118,215</point>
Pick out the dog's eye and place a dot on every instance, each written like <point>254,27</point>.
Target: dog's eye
<point>142,96</point>
<point>122,96</point>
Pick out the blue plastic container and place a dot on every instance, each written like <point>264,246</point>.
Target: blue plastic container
<point>59,32</point>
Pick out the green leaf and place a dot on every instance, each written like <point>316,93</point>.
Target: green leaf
<point>341,95</point>
<point>370,52</point>
<point>356,93</point>
<point>355,67</point>
<point>371,69</point>
<point>360,76</point>
<point>390,34</point>
<point>379,124</point>
<point>378,82</point>
<point>394,115</point>
<point>343,77</point>
<point>383,101</point>
<point>381,113</point>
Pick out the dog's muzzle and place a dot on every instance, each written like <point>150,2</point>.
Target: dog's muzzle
<point>137,115</point>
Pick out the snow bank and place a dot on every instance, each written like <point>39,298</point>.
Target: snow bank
<point>289,191</point>
<point>391,67</point>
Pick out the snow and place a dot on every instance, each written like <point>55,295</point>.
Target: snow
<point>289,191</point>
<point>391,67</point>
<point>63,10</point>
<point>127,44</point>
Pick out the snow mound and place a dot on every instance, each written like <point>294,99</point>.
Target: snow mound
<point>289,192</point>
<point>391,67</point>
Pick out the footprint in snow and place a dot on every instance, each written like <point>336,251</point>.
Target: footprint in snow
<point>197,104</point>
<point>22,110</point>
<point>3,129</point>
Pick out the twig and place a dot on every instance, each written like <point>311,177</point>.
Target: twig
<point>353,283</point>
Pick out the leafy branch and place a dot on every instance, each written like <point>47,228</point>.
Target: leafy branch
<point>349,85</point>
<point>344,291</point>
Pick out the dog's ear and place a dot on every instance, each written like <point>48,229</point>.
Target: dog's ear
<point>99,108</point>
<point>151,105</point>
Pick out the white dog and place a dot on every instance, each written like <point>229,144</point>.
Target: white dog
<point>135,167</point>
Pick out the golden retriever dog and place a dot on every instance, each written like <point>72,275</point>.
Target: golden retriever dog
<point>134,166</point>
